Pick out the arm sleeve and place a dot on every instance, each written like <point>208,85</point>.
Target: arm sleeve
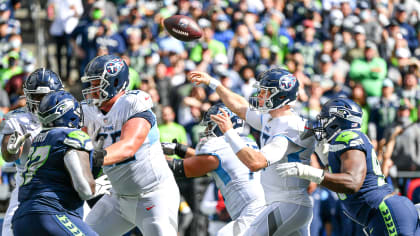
<point>74,167</point>
<point>254,118</point>
<point>276,150</point>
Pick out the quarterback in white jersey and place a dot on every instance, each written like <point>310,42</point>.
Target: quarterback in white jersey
<point>19,127</point>
<point>289,209</point>
<point>241,188</point>
<point>144,191</point>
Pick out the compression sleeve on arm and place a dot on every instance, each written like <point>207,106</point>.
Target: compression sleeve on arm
<point>73,165</point>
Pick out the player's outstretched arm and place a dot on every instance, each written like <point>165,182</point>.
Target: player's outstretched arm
<point>349,180</point>
<point>233,101</point>
<point>194,166</point>
<point>78,165</point>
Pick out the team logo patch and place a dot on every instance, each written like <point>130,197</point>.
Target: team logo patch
<point>114,66</point>
<point>287,82</point>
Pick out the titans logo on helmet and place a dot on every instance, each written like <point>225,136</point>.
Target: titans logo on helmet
<point>287,82</point>
<point>114,66</point>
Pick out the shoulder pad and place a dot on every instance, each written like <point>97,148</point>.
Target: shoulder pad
<point>79,140</point>
<point>346,136</point>
<point>141,101</point>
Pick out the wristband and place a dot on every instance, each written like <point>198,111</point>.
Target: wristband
<point>234,140</point>
<point>214,83</point>
<point>181,149</point>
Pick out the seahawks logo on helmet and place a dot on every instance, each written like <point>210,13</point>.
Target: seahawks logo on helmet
<point>287,82</point>
<point>114,66</point>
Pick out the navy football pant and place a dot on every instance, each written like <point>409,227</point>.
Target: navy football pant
<point>50,224</point>
<point>396,216</point>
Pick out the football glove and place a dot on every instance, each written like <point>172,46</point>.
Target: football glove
<point>174,148</point>
<point>302,171</point>
<point>16,140</point>
<point>102,186</point>
<point>321,150</point>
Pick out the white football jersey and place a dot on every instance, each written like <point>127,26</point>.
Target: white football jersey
<point>148,167</point>
<point>23,121</point>
<point>238,185</point>
<point>284,189</point>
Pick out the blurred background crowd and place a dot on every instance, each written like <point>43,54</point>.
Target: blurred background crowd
<point>367,50</point>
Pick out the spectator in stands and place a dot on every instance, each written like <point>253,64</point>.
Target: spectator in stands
<point>370,70</point>
<point>169,130</point>
<point>208,42</point>
<point>65,16</point>
<point>408,33</point>
<point>383,113</point>
<point>405,153</point>
<point>309,46</point>
<point>410,93</point>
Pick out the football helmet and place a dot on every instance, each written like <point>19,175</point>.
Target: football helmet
<point>60,109</point>
<point>336,115</point>
<point>105,76</point>
<point>276,87</point>
<point>39,83</point>
<point>212,129</point>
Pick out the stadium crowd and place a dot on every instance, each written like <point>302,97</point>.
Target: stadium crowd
<point>365,50</point>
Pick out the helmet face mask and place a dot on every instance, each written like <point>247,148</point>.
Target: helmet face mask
<point>96,94</point>
<point>276,88</point>
<point>262,101</point>
<point>39,83</point>
<point>105,76</point>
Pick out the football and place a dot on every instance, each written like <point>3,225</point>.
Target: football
<point>182,28</point>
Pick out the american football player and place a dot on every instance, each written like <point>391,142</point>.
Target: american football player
<point>289,209</point>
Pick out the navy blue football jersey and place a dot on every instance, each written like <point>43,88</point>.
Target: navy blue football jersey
<point>47,185</point>
<point>358,205</point>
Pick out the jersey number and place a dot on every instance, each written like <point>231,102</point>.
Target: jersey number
<point>114,135</point>
<point>36,158</point>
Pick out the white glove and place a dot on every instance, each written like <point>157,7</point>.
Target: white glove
<point>322,149</point>
<point>302,171</point>
<point>102,185</point>
<point>16,140</point>
<point>169,148</point>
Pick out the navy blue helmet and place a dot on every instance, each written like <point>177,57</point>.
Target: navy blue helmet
<point>336,115</point>
<point>105,76</point>
<point>60,109</point>
<point>39,83</point>
<point>276,87</point>
<point>212,129</point>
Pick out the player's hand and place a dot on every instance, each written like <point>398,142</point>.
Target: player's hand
<point>174,148</point>
<point>198,77</point>
<point>223,121</point>
<point>296,169</point>
<point>169,148</point>
<point>16,140</point>
<point>102,185</point>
